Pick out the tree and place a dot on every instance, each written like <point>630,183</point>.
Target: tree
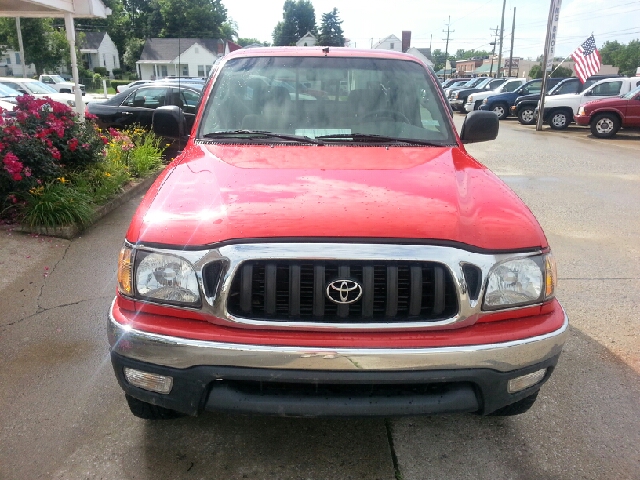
<point>561,72</point>
<point>331,30</point>
<point>44,46</point>
<point>536,71</point>
<point>625,57</point>
<point>229,29</point>
<point>298,19</point>
<point>132,52</point>
<point>438,59</point>
<point>188,18</point>
<point>243,42</point>
<point>462,54</point>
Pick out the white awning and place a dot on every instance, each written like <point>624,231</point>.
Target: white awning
<point>67,9</point>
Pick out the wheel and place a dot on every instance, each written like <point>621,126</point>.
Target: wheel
<point>559,120</point>
<point>517,408</point>
<point>526,117</point>
<point>382,114</point>
<point>605,125</point>
<point>148,411</point>
<point>501,110</point>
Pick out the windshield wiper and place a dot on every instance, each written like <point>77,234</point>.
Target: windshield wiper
<point>369,137</point>
<point>260,134</point>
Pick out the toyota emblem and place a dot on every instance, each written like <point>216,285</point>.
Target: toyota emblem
<point>344,292</point>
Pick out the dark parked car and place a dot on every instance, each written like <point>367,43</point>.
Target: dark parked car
<point>501,104</point>
<point>459,97</point>
<point>525,105</point>
<point>136,105</point>
<point>450,81</point>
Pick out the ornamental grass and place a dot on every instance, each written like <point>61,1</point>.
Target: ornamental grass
<point>55,170</point>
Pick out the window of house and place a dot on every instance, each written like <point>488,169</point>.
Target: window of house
<point>163,71</point>
<point>392,45</point>
<point>201,70</point>
<point>196,50</point>
<point>9,60</point>
<point>185,70</point>
<point>17,58</point>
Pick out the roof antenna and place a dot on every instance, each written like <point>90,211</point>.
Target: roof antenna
<point>325,50</point>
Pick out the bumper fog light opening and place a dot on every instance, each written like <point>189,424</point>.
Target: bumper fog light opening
<point>148,381</point>
<point>525,381</point>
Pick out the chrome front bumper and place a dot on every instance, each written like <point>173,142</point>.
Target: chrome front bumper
<point>184,353</point>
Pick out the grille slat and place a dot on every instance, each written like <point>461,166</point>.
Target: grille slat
<point>392,291</point>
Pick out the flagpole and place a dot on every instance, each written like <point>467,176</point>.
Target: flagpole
<point>565,59</point>
<point>549,49</point>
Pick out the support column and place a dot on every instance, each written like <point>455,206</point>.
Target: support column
<point>21,46</point>
<point>71,37</point>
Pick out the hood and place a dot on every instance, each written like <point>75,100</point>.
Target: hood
<point>531,97</point>
<point>215,193</point>
<point>616,102</point>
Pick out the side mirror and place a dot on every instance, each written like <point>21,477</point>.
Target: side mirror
<point>169,122</point>
<point>479,126</point>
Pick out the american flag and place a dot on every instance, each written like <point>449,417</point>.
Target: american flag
<point>587,59</point>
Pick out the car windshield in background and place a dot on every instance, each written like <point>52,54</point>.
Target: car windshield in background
<point>8,92</point>
<point>631,94</point>
<point>38,88</point>
<point>338,99</point>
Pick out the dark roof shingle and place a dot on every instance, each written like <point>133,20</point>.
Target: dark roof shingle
<point>92,40</point>
<point>170,48</point>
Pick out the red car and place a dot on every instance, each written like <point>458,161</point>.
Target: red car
<point>608,115</point>
<point>341,255</point>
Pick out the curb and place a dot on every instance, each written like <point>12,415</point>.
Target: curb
<point>71,231</point>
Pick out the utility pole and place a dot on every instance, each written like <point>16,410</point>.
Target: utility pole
<point>431,40</point>
<point>504,4</point>
<point>493,52</point>
<point>513,32</point>
<point>446,48</point>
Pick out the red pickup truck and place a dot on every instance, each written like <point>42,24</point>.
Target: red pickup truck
<point>608,115</point>
<point>332,255</point>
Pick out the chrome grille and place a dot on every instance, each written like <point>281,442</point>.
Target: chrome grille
<point>392,291</point>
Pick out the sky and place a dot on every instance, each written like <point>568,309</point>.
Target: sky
<point>367,21</point>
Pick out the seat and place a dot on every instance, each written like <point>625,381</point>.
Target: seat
<point>363,101</point>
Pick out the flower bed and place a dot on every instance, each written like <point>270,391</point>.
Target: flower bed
<point>56,172</point>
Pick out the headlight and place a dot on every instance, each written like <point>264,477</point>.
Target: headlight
<point>470,99</point>
<point>455,95</point>
<point>581,111</point>
<point>166,278</point>
<point>519,282</point>
<point>71,103</point>
<point>485,101</point>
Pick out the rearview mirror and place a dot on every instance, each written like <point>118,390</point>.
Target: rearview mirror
<point>479,126</point>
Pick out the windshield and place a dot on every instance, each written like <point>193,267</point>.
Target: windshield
<point>8,92</point>
<point>38,88</point>
<point>631,94</point>
<point>335,98</point>
<point>484,83</point>
<point>57,78</point>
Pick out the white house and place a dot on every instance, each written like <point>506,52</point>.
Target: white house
<point>186,57</point>
<point>390,43</point>
<point>309,40</point>
<point>11,65</point>
<point>98,50</point>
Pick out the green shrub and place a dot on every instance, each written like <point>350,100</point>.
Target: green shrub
<point>101,182</point>
<point>57,204</point>
<point>102,71</point>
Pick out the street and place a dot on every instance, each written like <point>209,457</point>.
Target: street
<point>63,415</point>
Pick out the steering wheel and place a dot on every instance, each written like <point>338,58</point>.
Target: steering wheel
<point>381,114</point>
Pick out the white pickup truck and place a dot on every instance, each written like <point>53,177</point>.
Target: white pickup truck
<point>60,84</point>
<point>475,100</point>
<point>559,110</point>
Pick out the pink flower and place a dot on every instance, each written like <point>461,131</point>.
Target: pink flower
<point>86,146</point>
<point>55,153</point>
<point>73,144</point>
<point>13,165</point>
<point>16,177</point>
<point>105,140</point>
<point>27,172</point>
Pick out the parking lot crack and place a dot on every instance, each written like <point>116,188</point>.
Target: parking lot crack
<point>394,457</point>
<point>43,310</point>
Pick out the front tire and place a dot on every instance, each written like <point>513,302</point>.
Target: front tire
<point>521,406</point>
<point>526,116</point>
<point>605,125</point>
<point>501,110</point>
<point>148,411</point>
<point>559,120</point>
